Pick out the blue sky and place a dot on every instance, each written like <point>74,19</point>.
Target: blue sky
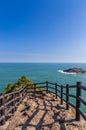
<point>43,31</point>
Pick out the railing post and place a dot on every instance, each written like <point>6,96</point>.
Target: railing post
<point>67,97</point>
<point>61,94</point>
<point>47,86</point>
<point>3,110</point>
<point>78,94</point>
<point>56,89</point>
<point>13,103</point>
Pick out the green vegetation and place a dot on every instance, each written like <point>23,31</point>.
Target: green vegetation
<point>18,85</point>
<point>8,88</point>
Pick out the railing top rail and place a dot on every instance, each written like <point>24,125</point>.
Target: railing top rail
<point>40,83</point>
<point>59,85</point>
<point>83,87</point>
<point>52,83</point>
<point>11,93</point>
<point>72,86</point>
<point>63,86</point>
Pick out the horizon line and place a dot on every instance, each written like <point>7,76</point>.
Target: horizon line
<point>43,62</point>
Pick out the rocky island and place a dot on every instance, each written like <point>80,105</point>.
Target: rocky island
<point>75,70</point>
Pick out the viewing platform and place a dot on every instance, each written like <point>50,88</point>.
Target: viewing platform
<point>36,107</point>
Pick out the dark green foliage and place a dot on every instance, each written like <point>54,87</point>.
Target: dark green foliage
<point>8,88</point>
<point>18,85</point>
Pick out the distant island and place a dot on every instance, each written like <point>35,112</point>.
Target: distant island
<point>75,70</point>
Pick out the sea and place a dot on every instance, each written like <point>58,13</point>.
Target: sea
<point>41,72</point>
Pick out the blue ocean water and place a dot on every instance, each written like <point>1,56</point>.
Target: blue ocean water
<point>40,72</point>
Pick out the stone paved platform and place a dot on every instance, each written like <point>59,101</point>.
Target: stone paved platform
<point>43,112</point>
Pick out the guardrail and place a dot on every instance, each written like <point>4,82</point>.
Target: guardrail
<point>10,101</point>
<point>65,90</point>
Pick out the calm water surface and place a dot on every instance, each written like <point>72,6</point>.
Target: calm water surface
<point>39,72</point>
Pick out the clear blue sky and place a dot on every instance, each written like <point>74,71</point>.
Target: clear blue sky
<point>43,31</point>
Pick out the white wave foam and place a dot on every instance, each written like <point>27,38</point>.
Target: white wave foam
<point>61,71</point>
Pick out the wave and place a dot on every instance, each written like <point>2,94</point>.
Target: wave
<point>61,71</point>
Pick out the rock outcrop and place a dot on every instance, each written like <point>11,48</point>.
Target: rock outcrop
<point>75,70</point>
